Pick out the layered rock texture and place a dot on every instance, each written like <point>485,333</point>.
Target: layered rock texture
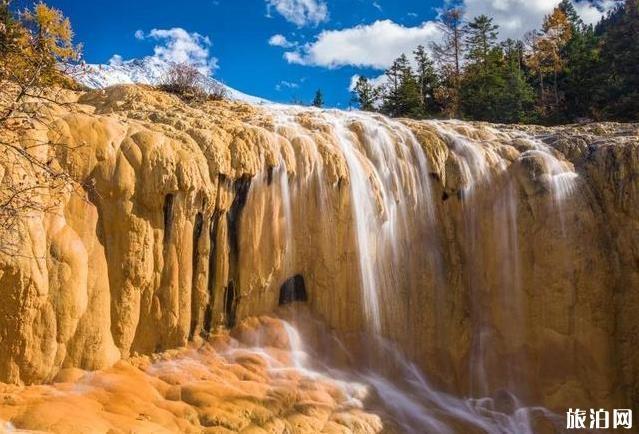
<point>495,257</point>
<point>220,387</point>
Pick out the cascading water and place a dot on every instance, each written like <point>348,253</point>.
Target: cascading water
<point>394,226</point>
<point>408,399</point>
<point>485,170</point>
<point>460,274</point>
<point>389,190</point>
<point>390,195</point>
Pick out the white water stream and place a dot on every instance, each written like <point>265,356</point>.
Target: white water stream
<point>390,190</point>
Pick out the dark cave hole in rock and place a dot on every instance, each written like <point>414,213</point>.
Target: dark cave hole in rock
<point>445,196</point>
<point>168,216</point>
<point>293,289</point>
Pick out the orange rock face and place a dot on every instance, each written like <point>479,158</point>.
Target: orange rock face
<point>496,258</point>
<point>225,385</point>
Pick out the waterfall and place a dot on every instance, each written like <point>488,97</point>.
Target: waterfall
<point>388,184</point>
<point>263,268</point>
<point>387,236</point>
<point>392,209</point>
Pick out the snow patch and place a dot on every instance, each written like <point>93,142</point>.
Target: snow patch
<point>143,71</point>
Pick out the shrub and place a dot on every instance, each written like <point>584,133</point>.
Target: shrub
<point>188,82</point>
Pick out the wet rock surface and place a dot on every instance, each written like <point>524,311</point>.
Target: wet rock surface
<point>221,386</point>
<point>486,252</point>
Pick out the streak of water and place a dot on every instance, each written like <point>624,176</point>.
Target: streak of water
<point>489,189</point>
<point>390,193</point>
<point>388,184</point>
<point>409,399</point>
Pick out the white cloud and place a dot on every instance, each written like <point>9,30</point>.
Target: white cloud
<point>286,85</point>
<point>300,12</point>
<point>374,45</point>
<point>280,41</point>
<point>591,14</point>
<point>380,80</point>
<point>116,60</point>
<point>517,17</point>
<point>176,45</point>
<point>139,34</point>
<point>294,57</point>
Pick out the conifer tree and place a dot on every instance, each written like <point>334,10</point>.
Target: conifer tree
<point>427,80</point>
<point>619,96</point>
<point>517,99</point>
<point>364,94</point>
<point>569,10</point>
<point>318,100</point>
<point>33,46</point>
<point>33,50</point>
<point>481,35</point>
<point>409,101</point>
<point>482,85</point>
<point>50,43</point>
<point>395,73</point>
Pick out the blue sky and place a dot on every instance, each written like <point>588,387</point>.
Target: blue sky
<point>282,50</point>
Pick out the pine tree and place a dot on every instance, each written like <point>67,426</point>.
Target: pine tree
<point>392,90</point>
<point>364,94</point>
<point>514,53</point>
<point>410,101</point>
<point>619,96</point>
<point>402,96</point>
<point>517,99</point>
<point>318,100</point>
<point>427,79</point>
<point>580,59</point>
<point>569,10</point>
<point>483,87</point>
<point>481,35</point>
<point>578,80</point>
<point>494,86</point>
<point>482,84</point>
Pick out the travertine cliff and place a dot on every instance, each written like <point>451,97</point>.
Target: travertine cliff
<point>496,257</point>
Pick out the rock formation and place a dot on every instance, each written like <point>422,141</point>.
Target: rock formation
<point>496,257</point>
<point>221,387</point>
